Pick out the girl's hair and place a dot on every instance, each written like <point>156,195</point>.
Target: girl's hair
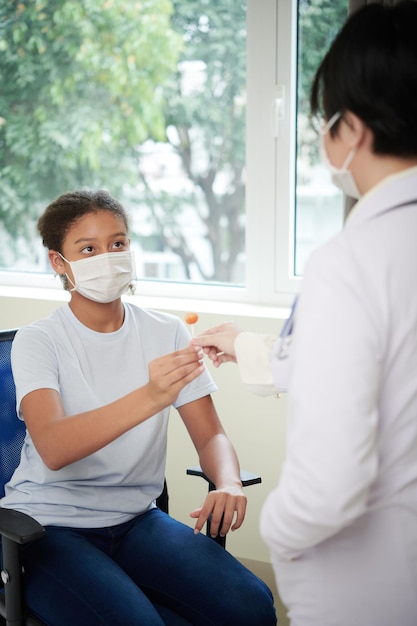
<point>63,212</point>
<point>370,70</point>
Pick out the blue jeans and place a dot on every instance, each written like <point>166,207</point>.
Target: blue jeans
<point>150,571</point>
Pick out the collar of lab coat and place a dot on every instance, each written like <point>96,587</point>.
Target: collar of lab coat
<point>394,191</point>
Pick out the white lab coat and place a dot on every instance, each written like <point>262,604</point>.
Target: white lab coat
<point>342,523</point>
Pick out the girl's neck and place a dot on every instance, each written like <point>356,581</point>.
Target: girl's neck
<point>102,318</point>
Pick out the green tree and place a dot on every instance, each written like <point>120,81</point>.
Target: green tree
<point>80,89</point>
<point>209,124</point>
<point>206,127</point>
<point>85,84</point>
<point>319,23</point>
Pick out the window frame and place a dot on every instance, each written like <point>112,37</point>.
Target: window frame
<point>270,192</point>
<point>270,167</point>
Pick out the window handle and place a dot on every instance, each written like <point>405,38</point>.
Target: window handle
<point>278,108</point>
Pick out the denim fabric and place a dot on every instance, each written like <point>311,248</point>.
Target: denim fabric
<point>150,571</point>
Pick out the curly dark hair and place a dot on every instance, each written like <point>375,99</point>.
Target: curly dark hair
<point>63,212</point>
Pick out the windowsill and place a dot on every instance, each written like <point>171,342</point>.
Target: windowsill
<point>220,307</point>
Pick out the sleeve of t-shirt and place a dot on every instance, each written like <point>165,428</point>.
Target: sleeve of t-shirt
<point>34,363</point>
<point>199,387</point>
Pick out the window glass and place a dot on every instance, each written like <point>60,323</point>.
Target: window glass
<point>147,100</point>
<point>319,204</point>
<point>158,102</point>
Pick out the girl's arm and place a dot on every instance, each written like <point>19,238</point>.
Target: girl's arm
<point>219,462</point>
<point>63,439</point>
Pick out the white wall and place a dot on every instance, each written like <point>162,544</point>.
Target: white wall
<point>256,425</point>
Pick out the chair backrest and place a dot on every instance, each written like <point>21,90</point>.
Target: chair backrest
<point>12,429</point>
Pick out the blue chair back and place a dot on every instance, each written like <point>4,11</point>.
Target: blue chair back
<point>12,429</point>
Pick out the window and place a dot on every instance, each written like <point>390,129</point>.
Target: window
<point>146,99</point>
<point>319,204</point>
<point>161,105</point>
<point>292,205</point>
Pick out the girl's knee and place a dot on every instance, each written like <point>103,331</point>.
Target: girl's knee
<point>253,605</point>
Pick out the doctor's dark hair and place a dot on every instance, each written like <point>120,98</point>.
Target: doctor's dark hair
<point>370,70</point>
<point>65,210</point>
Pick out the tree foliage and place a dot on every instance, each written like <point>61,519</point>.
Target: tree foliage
<point>319,23</point>
<point>81,87</point>
<point>87,83</point>
<point>206,127</point>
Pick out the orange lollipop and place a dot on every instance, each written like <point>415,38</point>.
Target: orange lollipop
<point>191,319</point>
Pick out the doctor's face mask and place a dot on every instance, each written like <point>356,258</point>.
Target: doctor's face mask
<point>341,177</point>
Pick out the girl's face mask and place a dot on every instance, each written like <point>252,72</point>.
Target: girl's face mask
<point>104,277</point>
<point>341,177</point>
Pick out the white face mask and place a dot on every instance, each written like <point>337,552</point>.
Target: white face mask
<point>341,177</point>
<point>103,277</point>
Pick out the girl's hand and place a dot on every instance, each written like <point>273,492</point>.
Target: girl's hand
<point>168,374</point>
<point>221,506</point>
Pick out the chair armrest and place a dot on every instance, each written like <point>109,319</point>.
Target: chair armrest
<point>247,478</point>
<point>15,528</point>
<point>19,527</point>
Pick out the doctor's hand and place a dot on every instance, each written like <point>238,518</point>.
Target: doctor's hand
<point>219,343</point>
<point>222,506</point>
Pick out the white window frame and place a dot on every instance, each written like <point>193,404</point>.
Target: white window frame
<point>270,166</point>
<point>271,151</point>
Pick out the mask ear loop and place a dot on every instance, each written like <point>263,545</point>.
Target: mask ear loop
<point>326,129</point>
<point>332,121</point>
<point>349,159</point>
<point>66,280</point>
<point>131,290</point>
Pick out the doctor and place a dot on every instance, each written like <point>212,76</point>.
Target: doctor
<point>342,523</point>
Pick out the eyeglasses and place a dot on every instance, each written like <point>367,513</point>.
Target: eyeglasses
<point>320,125</point>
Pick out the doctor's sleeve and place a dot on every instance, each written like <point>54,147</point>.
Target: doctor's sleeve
<point>254,353</point>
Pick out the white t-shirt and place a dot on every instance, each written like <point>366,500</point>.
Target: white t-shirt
<point>91,369</point>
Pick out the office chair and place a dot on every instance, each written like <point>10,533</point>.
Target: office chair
<point>17,528</point>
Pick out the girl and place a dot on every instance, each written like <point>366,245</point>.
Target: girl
<point>94,385</point>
